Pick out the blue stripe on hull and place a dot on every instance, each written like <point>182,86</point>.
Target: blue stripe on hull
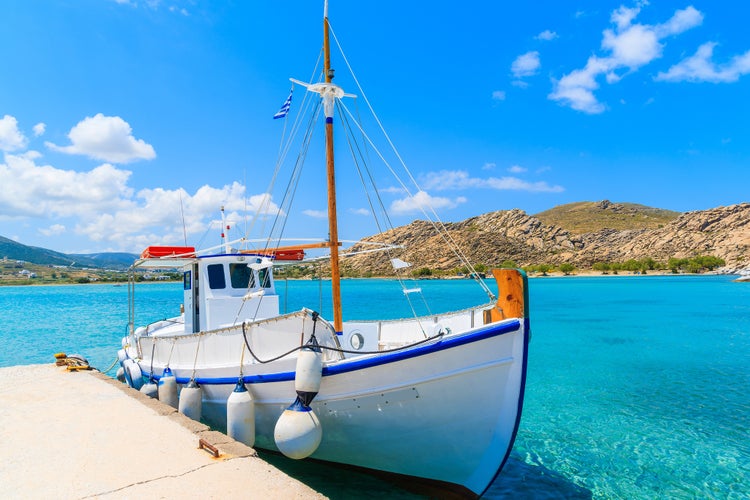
<point>360,364</point>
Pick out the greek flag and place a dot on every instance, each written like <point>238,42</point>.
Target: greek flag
<point>284,107</point>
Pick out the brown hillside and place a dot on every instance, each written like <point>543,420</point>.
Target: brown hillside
<point>495,237</point>
<point>588,217</point>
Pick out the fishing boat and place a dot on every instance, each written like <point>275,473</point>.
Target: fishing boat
<point>435,398</point>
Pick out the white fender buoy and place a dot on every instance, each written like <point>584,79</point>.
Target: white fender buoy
<point>191,399</point>
<point>133,374</point>
<point>168,388</point>
<point>122,355</point>
<point>309,372</point>
<point>298,431</point>
<point>150,389</point>
<point>241,415</point>
<point>121,374</point>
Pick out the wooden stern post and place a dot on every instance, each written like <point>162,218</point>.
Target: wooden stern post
<point>512,292</point>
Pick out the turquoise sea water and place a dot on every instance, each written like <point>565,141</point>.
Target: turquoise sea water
<point>638,387</point>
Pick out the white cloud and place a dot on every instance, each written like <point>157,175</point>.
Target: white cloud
<point>517,169</point>
<point>156,215</point>
<point>516,184</point>
<point>107,138</point>
<point>359,211</point>
<point>11,139</point>
<point>630,47</point>
<point>460,179</point>
<point>498,95</point>
<point>43,190</point>
<point>700,67</point>
<point>422,201</point>
<point>103,207</point>
<point>317,214</point>
<point>39,129</point>
<point>526,64</point>
<point>489,166</point>
<point>546,35</point>
<point>53,230</point>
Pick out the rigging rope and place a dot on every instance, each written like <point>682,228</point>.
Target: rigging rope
<point>354,145</point>
<point>437,223</point>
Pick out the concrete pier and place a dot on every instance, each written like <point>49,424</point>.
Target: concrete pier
<point>84,435</point>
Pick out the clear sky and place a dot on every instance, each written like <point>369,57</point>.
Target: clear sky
<point>120,119</point>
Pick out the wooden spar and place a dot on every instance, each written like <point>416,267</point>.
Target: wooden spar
<point>333,232</point>
<point>304,246</point>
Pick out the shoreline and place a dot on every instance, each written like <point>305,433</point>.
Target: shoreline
<point>555,274</point>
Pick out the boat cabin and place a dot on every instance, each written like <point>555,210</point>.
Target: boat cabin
<point>219,290</point>
<point>224,290</point>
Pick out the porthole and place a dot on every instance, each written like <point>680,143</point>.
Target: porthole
<point>357,341</point>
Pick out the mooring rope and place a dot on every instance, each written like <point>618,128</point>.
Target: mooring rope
<point>112,365</point>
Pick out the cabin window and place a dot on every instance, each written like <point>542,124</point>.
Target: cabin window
<point>186,280</point>
<point>216,280</point>
<point>241,276</point>
<point>265,278</point>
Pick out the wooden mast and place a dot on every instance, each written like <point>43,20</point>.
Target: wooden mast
<point>333,232</point>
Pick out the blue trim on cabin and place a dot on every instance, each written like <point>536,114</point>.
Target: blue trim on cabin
<point>359,364</point>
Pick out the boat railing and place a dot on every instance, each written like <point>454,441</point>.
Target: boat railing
<point>388,334</point>
<point>258,341</point>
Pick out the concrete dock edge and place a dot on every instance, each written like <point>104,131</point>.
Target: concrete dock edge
<point>86,435</point>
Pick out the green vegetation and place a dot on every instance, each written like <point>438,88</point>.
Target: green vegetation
<point>13,272</point>
<point>566,268</point>
<point>422,272</point>
<point>697,264</point>
<point>694,265</point>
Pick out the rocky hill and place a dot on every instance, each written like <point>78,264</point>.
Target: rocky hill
<point>513,235</point>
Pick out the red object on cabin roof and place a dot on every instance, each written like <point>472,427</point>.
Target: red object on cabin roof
<point>291,254</point>
<point>154,252</point>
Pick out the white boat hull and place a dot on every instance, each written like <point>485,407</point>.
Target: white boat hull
<point>456,403</point>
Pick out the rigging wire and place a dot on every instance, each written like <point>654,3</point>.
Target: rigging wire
<point>284,147</point>
<point>437,223</point>
<point>355,149</point>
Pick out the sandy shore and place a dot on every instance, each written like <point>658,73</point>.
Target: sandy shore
<point>82,435</point>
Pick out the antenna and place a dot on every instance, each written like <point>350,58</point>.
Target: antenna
<point>182,212</point>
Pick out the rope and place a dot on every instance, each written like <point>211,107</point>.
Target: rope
<point>112,365</point>
<point>195,362</point>
<point>169,359</point>
<point>440,334</point>
<point>153,350</point>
